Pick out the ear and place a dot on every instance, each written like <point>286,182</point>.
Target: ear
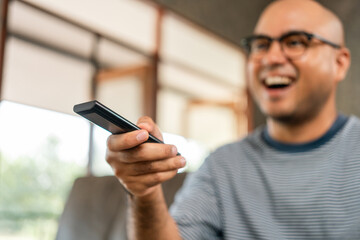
<point>343,60</point>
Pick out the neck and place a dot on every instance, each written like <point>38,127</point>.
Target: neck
<point>305,131</point>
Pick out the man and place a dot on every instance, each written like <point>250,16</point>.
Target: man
<point>297,178</point>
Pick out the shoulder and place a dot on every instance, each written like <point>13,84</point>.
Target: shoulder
<point>354,120</point>
<point>352,127</point>
<point>252,142</point>
<point>351,130</point>
<point>246,148</point>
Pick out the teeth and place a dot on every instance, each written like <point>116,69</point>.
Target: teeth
<point>277,80</point>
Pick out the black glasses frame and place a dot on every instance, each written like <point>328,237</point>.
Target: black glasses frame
<point>246,42</point>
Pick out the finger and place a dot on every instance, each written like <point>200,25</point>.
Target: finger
<point>122,170</point>
<point>141,153</point>
<point>148,152</point>
<point>119,142</point>
<point>139,184</point>
<point>143,168</point>
<point>148,124</point>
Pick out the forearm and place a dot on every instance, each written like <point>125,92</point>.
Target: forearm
<point>148,218</point>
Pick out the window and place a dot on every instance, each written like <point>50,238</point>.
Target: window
<point>41,153</point>
<point>125,54</point>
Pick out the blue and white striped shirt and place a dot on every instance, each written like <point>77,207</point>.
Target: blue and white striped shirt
<point>258,188</point>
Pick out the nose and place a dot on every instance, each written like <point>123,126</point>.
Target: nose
<point>275,55</point>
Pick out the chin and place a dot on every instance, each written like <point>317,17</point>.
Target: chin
<point>290,118</point>
<point>285,119</point>
<point>283,113</point>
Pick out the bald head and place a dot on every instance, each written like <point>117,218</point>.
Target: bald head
<point>285,15</point>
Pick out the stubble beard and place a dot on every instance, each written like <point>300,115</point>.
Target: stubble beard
<point>307,110</point>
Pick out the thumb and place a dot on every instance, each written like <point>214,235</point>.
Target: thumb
<point>149,125</point>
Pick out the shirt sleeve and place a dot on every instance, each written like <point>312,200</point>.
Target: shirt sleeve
<point>196,208</point>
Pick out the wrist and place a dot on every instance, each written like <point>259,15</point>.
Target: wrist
<point>154,196</point>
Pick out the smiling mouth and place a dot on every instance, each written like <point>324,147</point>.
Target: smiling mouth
<point>277,82</point>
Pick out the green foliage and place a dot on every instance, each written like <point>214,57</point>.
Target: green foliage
<point>34,188</point>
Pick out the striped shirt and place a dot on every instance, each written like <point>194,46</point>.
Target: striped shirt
<point>258,188</point>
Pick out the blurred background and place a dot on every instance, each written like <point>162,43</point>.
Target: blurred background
<point>178,61</point>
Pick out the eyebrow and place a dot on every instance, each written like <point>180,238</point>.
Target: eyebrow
<point>282,34</point>
<point>308,34</point>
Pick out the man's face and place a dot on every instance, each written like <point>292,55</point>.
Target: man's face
<point>310,78</point>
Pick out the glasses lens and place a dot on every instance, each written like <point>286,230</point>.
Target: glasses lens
<point>258,46</point>
<point>294,45</point>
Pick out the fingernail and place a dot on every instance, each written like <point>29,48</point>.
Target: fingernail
<point>182,162</point>
<point>174,150</point>
<point>141,136</point>
<point>142,124</point>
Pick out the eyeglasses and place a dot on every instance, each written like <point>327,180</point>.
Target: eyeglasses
<point>293,44</point>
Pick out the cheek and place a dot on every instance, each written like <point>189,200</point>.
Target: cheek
<point>251,73</point>
<point>316,75</point>
<point>318,69</point>
<point>251,79</point>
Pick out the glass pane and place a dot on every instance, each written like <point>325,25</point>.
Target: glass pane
<point>100,166</point>
<point>34,24</point>
<point>115,56</point>
<point>41,153</point>
<point>129,21</point>
<point>208,54</point>
<point>210,124</point>
<point>124,95</point>
<point>195,85</point>
<point>40,77</point>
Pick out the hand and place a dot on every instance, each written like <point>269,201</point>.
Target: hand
<point>141,168</point>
